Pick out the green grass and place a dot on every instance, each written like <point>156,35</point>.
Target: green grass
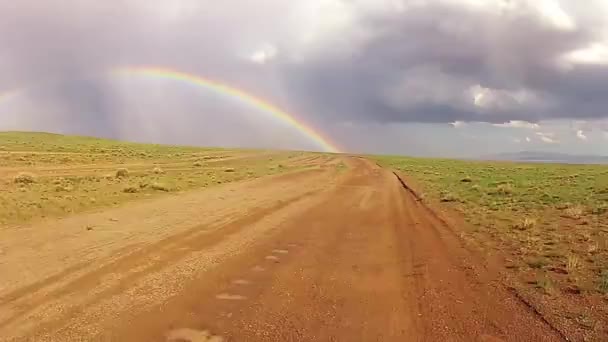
<point>548,220</point>
<point>50,175</point>
<point>527,210</point>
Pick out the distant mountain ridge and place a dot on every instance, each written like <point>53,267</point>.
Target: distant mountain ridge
<point>548,157</point>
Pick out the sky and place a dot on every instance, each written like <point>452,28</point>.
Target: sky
<point>450,78</point>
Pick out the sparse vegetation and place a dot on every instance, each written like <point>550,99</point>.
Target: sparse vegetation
<point>448,197</point>
<point>122,173</point>
<point>25,178</point>
<point>551,218</point>
<point>62,175</point>
<point>526,223</point>
<point>159,187</point>
<point>546,285</point>
<point>574,212</point>
<point>604,282</point>
<point>130,190</point>
<point>572,263</point>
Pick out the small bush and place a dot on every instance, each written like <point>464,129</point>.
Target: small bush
<point>466,180</point>
<point>575,212</point>
<point>230,169</point>
<point>527,223</point>
<point>572,263</point>
<point>131,190</point>
<point>448,197</point>
<point>197,164</point>
<point>546,284</point>
<point>536,262</point>
<point>25,178</point>
<point>157,170</point>
<point>63,188</point>
<point>599,209</point>
<point>122,173</point>
<point>504,189</point>
<point>159,187</point>
<point>604,282</point>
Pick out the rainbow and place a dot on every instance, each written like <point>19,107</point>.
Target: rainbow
<point>241,95</point>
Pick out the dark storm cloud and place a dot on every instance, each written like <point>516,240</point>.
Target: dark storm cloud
<point>460,48</point>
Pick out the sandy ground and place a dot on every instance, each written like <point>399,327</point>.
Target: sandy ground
<point>318,255</point>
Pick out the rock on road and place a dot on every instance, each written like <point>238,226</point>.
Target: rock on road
<point>316,255</point>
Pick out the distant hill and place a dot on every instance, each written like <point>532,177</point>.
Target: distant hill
<point>548,157</point>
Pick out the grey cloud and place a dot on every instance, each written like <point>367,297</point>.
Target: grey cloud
<point>506,52</point>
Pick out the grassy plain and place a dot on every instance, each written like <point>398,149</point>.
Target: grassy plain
<point>549,221</point>
<point>51,175</point>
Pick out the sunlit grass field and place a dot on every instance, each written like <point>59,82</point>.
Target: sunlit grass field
<point>51,175</point>
<point>550,221</point>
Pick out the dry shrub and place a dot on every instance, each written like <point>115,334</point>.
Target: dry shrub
<point>504,189</point>
<point>131,190</point>
<point>604,282</point>
<point>466,180</point>
<point>526,224</point>
<point>25,178</point>
<point>574,212</point>
<point>230,169</point>
<point>159,187</point>
<point>572,263</point>
<point>63,188</point>
<point>448,197</point>
<point>157,170</point>
<point>122,173</point>
<point>197,164</point>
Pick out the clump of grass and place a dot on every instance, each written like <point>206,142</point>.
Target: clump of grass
<point>231,169</point>
<point>593,248</point>
<point>25,178</point>
<point>197,164</point>
<point>448,197</point>
<point>130,190</point>
<point>159,187</point>
<point>63,188</point>
<point>604,282</point>
<point>536,263</point>
<point>122,173</point>
<point>526,224</point>
<point>572,263</point>
<point>466,179</point>
<point>504,189</point>
<point>546,284</point>
<point>574,212</point>
<point>157,170</point>
<point>599,209</point>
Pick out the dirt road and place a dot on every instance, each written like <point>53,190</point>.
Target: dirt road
<point>318,255</point>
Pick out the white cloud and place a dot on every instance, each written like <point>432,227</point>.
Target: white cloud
<point>547,137</point>
<point>581,135</point>
<point>548,140</point>
<point>518,124</point>
<point>264,54</point>
<point>596,53</point>
<point>458,124</point>
<point>545,134</point>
